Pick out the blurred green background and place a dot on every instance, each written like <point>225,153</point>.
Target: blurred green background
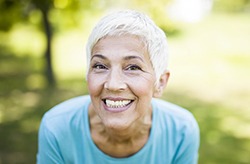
<point>42,63</point>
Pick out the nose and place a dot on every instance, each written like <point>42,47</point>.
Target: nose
<point>115,81</point>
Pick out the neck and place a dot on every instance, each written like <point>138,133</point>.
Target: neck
<point>120,142</point>
<point>139,128</point>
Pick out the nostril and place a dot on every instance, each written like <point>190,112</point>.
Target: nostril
<point>115,81</point>
<point>115,86</point>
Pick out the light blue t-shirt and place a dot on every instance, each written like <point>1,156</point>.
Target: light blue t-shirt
<point>64,136</point>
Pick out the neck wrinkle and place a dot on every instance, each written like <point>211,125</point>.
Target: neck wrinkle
<point>130,135</point>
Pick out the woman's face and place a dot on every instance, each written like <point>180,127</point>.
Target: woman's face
<point>120,80</point>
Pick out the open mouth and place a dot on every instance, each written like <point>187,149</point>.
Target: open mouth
<point>117,103</point>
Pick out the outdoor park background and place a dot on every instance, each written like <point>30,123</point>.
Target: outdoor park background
<point>209,44</point>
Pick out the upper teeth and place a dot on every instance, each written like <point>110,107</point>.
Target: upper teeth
<point>117,104</point>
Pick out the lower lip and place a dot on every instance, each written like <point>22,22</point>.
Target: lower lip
<point>116,110</point>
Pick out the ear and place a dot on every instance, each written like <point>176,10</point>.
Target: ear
<point>162,83</point>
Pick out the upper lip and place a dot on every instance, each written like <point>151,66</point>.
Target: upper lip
<point>116,98</point>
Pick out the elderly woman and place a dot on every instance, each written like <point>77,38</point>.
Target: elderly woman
<point>122,120</point>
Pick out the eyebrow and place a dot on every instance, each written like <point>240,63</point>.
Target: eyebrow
<point>125,58</point>
<point>98,56</point>
<point>133,57</point>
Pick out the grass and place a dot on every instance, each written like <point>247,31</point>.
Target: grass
<point>209,67</point>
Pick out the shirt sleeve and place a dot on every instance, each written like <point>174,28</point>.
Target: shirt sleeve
<point>48,149</point>
<point>188,148</point>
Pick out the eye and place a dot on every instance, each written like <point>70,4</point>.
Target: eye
<point>99,66</point>
<point>133,68</point>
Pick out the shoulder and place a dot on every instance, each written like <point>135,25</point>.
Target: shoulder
<point>175,117</point>
<point>65,112</point>
<point>68,106</point>
<point>179,127</point>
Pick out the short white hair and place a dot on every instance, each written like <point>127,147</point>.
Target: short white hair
<point>133,23</point>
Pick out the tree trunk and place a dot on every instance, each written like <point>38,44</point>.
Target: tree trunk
<point>48,57</point>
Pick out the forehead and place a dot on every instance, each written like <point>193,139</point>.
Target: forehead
<point>120,44</point>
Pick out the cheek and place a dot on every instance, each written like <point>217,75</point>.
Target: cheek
<point>95,84</point>
<point>142,86</point>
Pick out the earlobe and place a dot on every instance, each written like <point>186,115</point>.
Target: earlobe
<point>162,83</point>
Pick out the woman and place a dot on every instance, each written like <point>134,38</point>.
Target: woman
<point>121,121</point>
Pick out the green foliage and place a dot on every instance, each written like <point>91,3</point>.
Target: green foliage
<point>62,13</point>
<point>157,11</point>
<point>232,5</point>
<point>11,11</point>
<point>23,101</point>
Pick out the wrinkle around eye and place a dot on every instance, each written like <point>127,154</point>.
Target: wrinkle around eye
<point>133,67</point>
<point>139,73</point>
<point>148,76</point>
<point>99,67</point>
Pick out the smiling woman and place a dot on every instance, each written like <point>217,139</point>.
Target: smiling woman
<point>121,120</point>
<point>122,60</point>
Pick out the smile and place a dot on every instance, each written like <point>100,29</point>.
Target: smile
<point>117,105</point>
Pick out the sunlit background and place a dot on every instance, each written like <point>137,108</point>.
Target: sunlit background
<point>209,44</point>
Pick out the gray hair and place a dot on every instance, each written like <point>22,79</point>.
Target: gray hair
<point>133,23</point>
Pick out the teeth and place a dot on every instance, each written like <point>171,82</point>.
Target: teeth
<point>117,104</point>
